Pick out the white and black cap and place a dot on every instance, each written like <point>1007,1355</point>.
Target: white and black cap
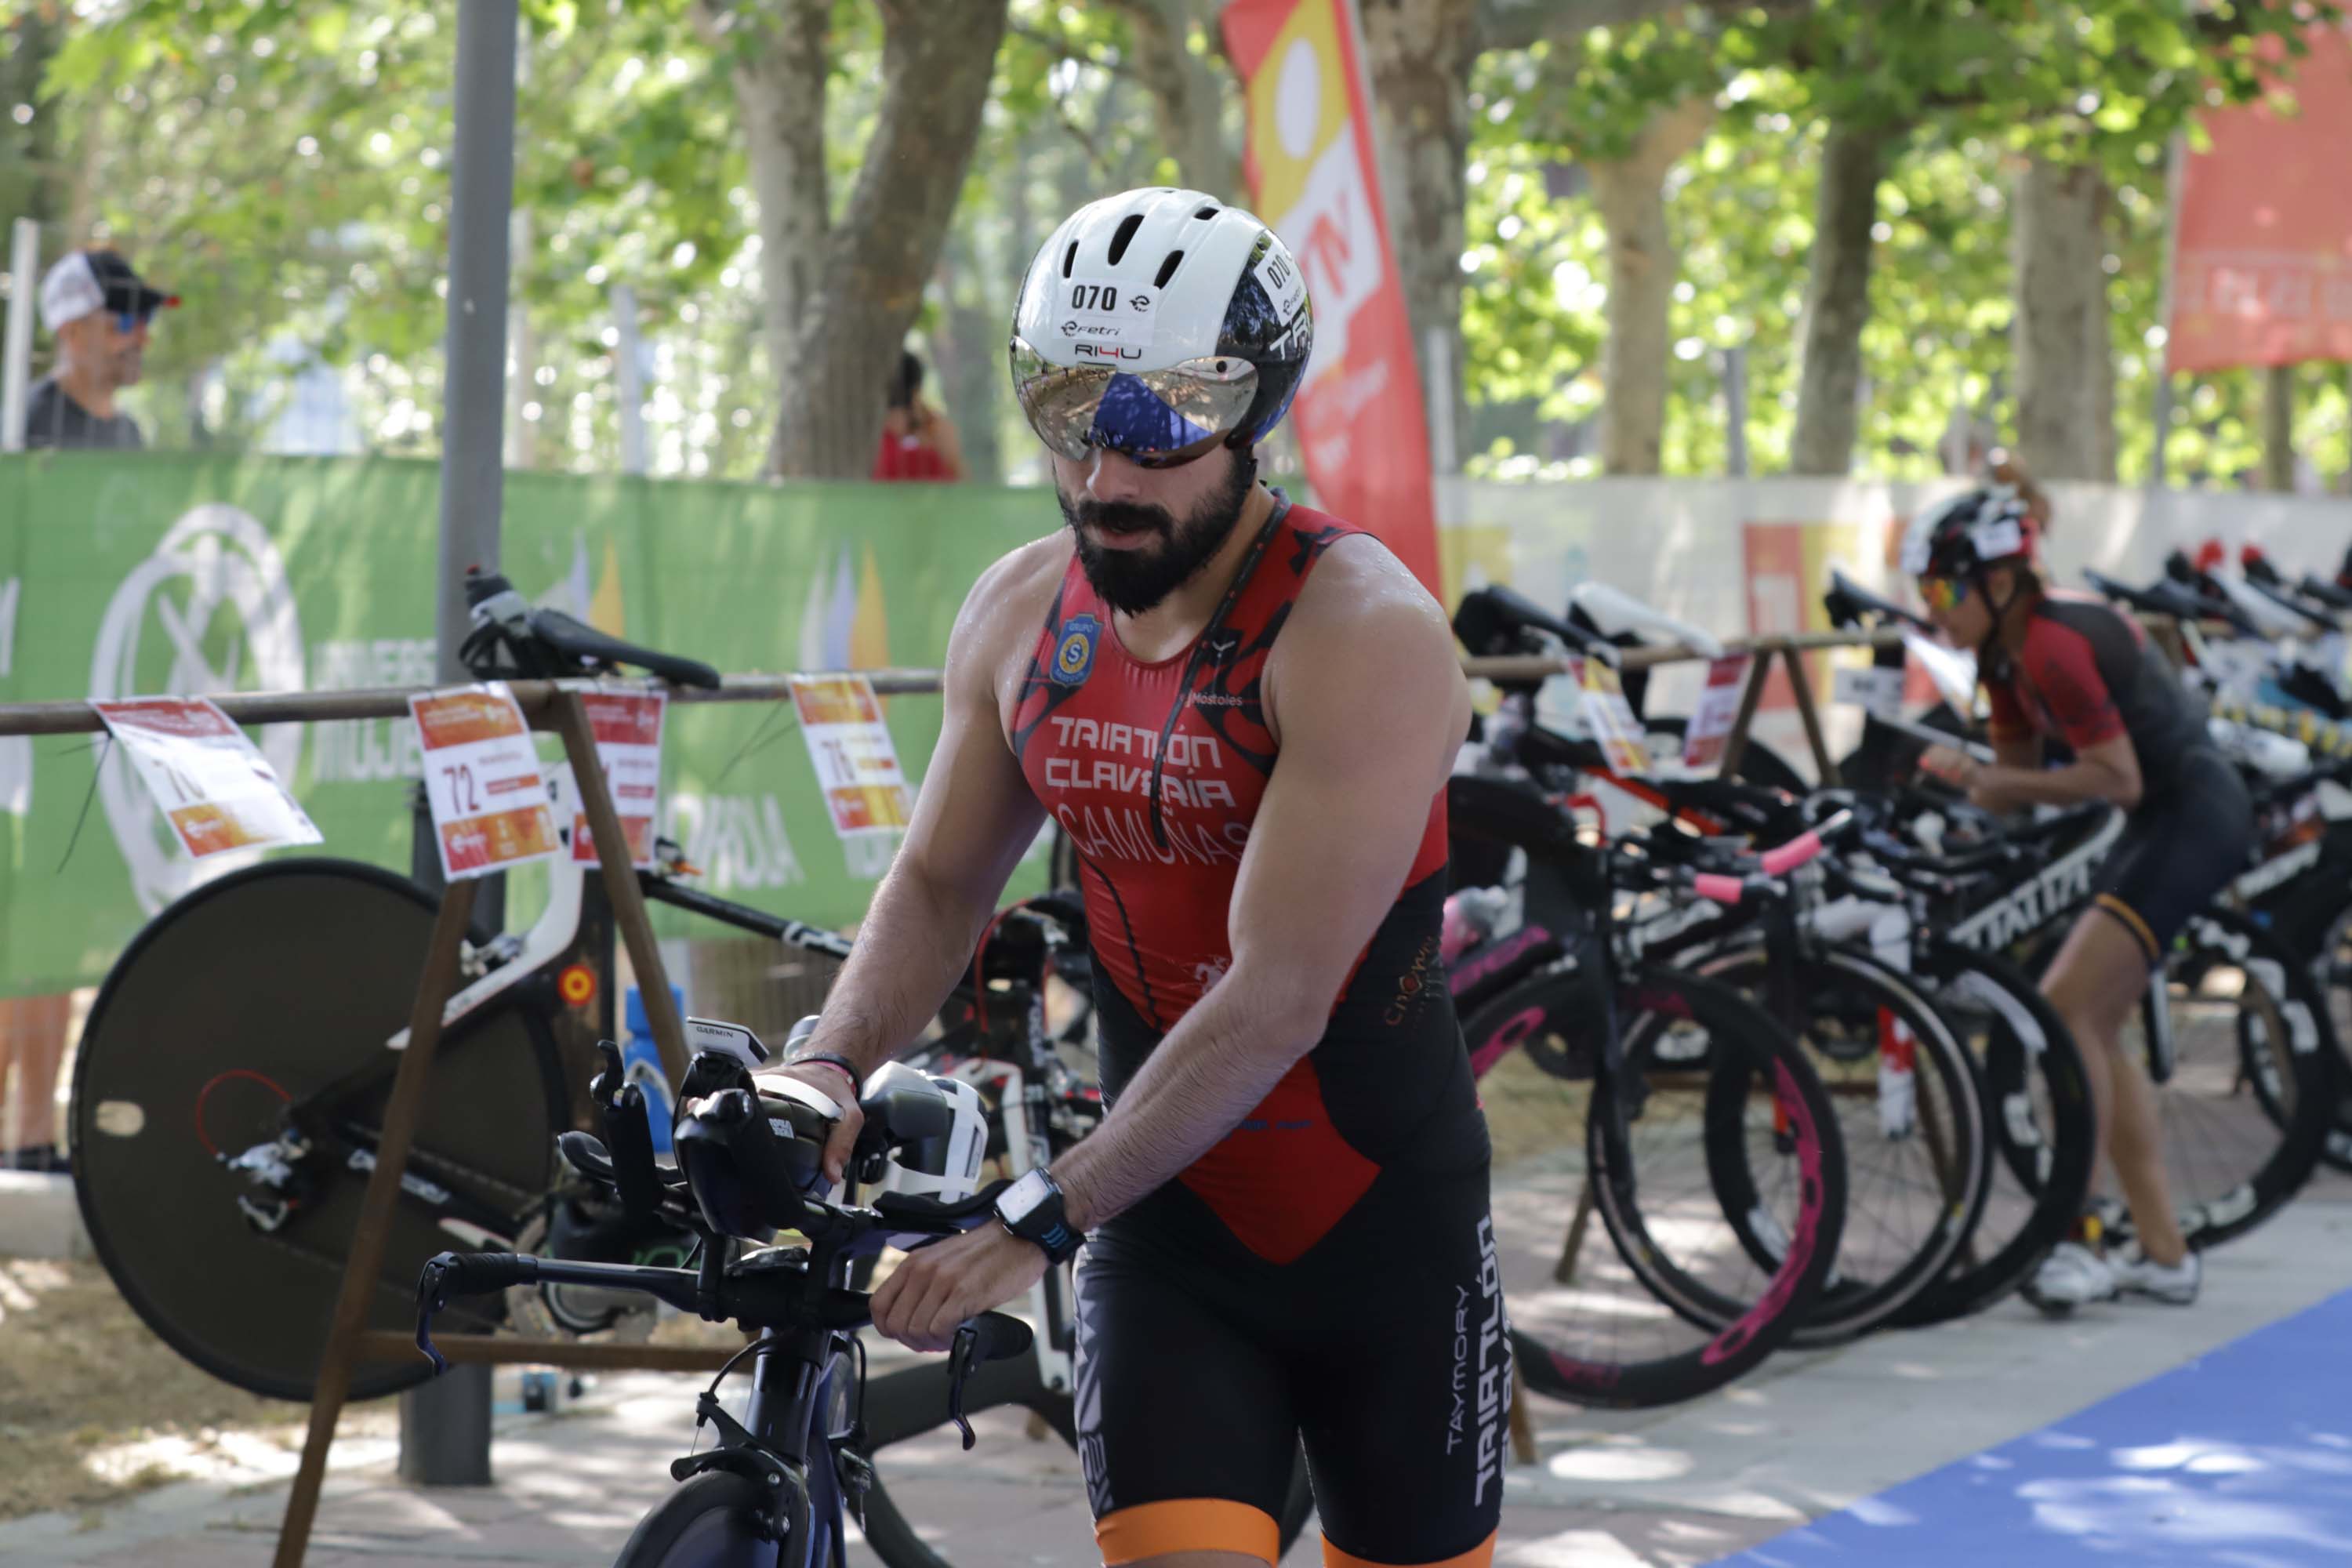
<point>88,281</point>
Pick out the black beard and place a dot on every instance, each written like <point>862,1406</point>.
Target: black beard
<point>1133,581</point>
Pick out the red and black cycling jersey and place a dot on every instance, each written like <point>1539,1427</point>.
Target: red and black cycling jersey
<point>2087,675</point>
<point>1099,733</point>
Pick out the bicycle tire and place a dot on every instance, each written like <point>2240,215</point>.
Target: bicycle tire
<point>1881,1269</point>
<point>293,973</point>
<point>2044,1131</point>
<point>711,1520</point>
<point>1589,1365</point>
<point>2296,1079</point>
<point>2332,970</point>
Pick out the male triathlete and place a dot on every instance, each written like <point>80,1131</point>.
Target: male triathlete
<point>1243,713</point>
<point>2065,665</point>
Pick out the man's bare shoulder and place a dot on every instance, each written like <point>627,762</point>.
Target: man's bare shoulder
<point>1363,628</point>
<point>1011,598</point>
<point>999,623</point>
<point>1361,593</point>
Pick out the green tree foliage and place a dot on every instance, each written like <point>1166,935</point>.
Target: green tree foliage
<point>284,166</point>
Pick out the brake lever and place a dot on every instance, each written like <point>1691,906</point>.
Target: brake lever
<point>960,1359</point>
<point>431,1297</point>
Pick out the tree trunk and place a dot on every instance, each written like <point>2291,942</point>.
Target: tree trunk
<point>1187,97</point>
<point>1643,262</point>
<point>938,56</point>
<point>779,80</point>
<point>2060,343</point>
<point>970,348</point>
<point>1837,299</point>
<point>2278,428</point>
<point>32,182</point>
<point>844,295</point>
<point>1419,54</point>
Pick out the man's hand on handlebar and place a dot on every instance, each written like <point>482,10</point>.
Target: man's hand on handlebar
<point>936,1289</point>
<point>834,1082</point>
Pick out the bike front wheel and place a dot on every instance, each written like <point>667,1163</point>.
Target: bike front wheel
<point>1912,1119</point>
<point>712,1520</point>
<point>1714,1124</point>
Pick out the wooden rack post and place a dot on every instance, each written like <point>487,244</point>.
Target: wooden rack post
<point>1800,679</point>
<point>349,1340</point>
<point>1735,744</point>
<point>433,991</point>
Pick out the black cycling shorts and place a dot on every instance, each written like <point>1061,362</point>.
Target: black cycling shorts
<point>2178,850</point>
<point>1383,1347</point>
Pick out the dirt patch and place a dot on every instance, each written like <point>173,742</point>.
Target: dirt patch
<point>94,1408</point>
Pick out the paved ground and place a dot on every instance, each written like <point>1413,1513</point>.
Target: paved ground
<point>1804,1438</point>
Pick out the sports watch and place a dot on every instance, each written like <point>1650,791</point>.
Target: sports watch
<point>1031,1209</point>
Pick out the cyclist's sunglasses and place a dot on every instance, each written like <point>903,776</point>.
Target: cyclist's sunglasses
<point>1943,593</point>
<point>1157,418</point>
<point>128,321</point>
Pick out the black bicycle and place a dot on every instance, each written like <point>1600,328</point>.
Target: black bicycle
<point>232,1077</point>
<point>1912,1119</point>
<point>1662,1101</point>
<point>2234,1033</point>
<point>781,1480</point>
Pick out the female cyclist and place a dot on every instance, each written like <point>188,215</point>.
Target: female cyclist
<point>2065,665</point>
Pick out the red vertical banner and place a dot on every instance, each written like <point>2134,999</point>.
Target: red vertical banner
<point>1312,177</point>
<point>2261,260</point>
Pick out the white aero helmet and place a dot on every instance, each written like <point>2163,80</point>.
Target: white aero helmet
<point>1159,324</point>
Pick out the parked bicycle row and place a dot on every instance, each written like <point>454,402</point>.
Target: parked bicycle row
<point>1785,1044</point>
<point>1899,969</point>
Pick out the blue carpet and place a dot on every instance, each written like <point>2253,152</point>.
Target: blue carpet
<point>2242,1457</point>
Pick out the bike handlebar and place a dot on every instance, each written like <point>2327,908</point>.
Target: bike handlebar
<point>777,1294</point>
<point>1728,889</point>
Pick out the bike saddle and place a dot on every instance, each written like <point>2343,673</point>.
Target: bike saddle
<point>2314,688</point>
<point>581,643</point>
<point>1492,621</point>
<point>2335,596</point>
<point>1848,601</point>
<point>510,639</point>
<point>2169,597</point>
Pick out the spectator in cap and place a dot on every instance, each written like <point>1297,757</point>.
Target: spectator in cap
<point>98,309</point>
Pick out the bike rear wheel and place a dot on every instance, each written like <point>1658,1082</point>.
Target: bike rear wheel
<point>2039,1116</point>
<point>2332,967</point>
<point>247,994</point>
<point>2251,1089</point>
<point>1661,1302</point>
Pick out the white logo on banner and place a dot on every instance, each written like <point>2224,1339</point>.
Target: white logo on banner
<point>1332,231</point>
<point>213,559</point>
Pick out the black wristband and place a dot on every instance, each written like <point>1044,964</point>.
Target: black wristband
<point>831,1059</point>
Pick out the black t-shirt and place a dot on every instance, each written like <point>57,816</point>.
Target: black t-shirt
<point>52,418</point>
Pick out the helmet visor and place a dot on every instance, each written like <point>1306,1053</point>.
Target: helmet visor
<point>1158,418</point>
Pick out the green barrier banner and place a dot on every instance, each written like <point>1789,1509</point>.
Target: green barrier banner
<point>150,574</point>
